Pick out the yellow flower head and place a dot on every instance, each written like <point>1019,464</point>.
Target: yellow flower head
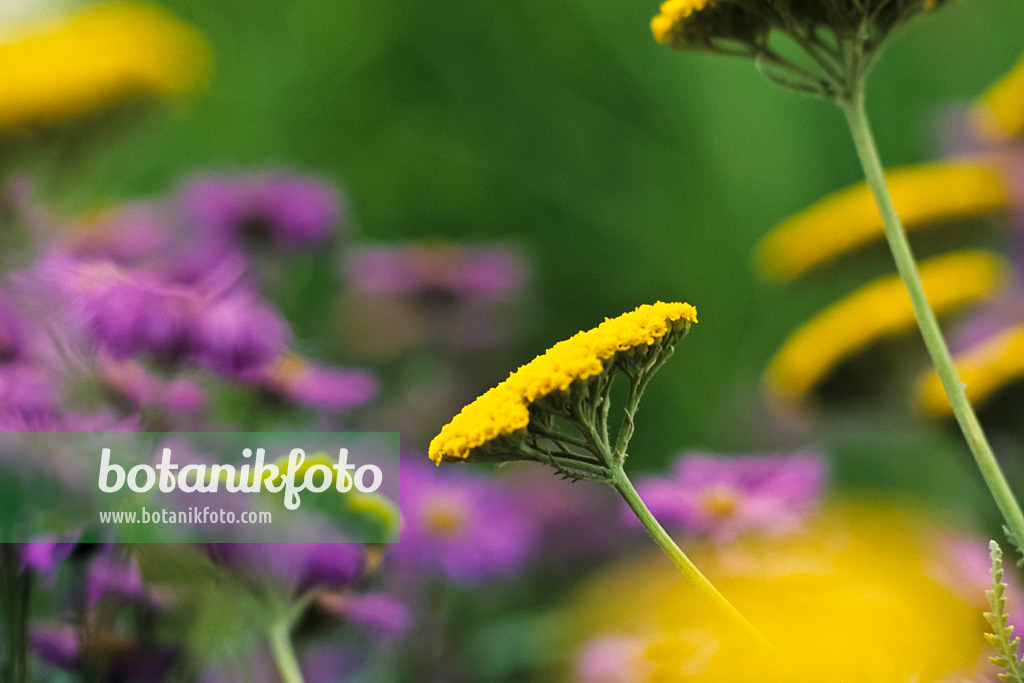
<point>745,28</point>
<point>984,369</point>
<point>999,113</point>
<point>89,59</point>
<point>923,195</point>
<point>871,594</point>
<point>673,13</point>
<point>878,310</point>
<point>505,410</point>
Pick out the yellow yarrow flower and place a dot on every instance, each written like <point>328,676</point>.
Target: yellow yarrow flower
<point>923,195</point>
<point>878,310</point>
<point>505,409</point>
<point>983,369</point>
<point>672,12</point>
<point>872,594</point>
<point>999,113</point>
<point>73,64</point>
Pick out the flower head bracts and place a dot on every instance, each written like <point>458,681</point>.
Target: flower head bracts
<point>518,419</point>
<point>840,37</point>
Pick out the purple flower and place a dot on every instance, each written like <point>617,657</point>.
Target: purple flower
<point>111,575</point>
<point>294,379</point>
<point>466,527</point>
<point>723,497</point>
<point>45,554</point>
<point>12,333</point>
<point>280,209</point>
<point>448,270</point>
<point>381,614</point>
<point>28,395</point>
<point>132,311</point>
<point>239,333</point>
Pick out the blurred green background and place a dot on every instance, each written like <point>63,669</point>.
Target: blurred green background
<point>626,171</point>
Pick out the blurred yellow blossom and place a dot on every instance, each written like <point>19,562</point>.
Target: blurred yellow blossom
<point>879,309</point>
<point>983,369</point>
<point>71,64</point>
<point>505,409</point>
<point>671,13</point>
<point>923,195</point>
<point>870,593</point>
<point>999,113</point>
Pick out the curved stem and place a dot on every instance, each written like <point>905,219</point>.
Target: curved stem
<point>856,116</point>
<point>284,654</point>
<point>625,488</point>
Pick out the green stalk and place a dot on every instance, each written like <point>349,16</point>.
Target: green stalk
<point>625,488</point>
<point>17,587</point>
<point>860,128</point>
<point>284,654</point>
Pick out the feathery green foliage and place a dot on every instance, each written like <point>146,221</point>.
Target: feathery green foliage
<point>1001,638</point>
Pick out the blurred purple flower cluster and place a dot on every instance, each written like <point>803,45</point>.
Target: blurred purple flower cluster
<point>146,315</point>
<point>161,302</point>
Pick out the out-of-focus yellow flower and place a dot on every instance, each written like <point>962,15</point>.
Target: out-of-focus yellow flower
<point>879,309</point>
<point>865,595</point>
<point>671,13</point>
<point>70,65</point>
<point>923,195</point>
<point>984,369</point>
<point>505,409</point>
<point>999,113</point>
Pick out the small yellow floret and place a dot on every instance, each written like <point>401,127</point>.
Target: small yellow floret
<point>878,310</point>
<point>999,113</point>
<point>88,59</point>
<point>672,12</point>
<point>923,195</point>
<point>504,409</point>
<point>983,369</point>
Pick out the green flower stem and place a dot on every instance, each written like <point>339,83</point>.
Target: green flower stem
<point>284,654</point>
<point>860,128</point>
<point>625,488</point>
<point>16,587</point>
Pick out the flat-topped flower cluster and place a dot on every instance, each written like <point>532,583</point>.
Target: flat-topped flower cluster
<point>505,409</point>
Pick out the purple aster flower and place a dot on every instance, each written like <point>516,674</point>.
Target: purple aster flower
<point>295,379</point>
<point>12,333</point>
<point>454,523</point>
<point>724,497</point>
<point>280,209</point>
<point>239,333</point>
<point>131,311</point>
<point>45,554</point>
<point>28,395</point>
<point>381,614</point>
<point>112,575</point>
<point>446,271</point>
